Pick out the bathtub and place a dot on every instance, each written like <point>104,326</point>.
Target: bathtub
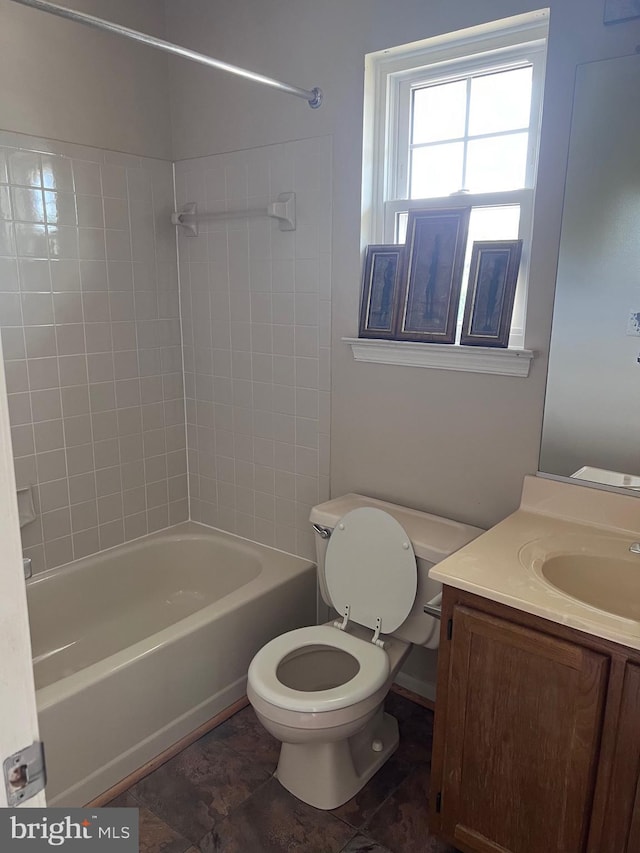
<point>138,646</point>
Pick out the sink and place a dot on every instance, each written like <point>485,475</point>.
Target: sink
<point>597,570</point>
<point>607,584</point>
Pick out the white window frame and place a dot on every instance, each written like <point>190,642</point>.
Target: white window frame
<point>390,76</point>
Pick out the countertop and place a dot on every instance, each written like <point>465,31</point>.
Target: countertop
<point>493,566</point>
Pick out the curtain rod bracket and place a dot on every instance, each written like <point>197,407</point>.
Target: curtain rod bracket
<point>187,218</point>
<point>284,210</point>
<point>316,101</point>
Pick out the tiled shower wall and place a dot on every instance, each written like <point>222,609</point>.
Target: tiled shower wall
<point>256,327</point>
<point>90,318</point>
<point>89,310</point>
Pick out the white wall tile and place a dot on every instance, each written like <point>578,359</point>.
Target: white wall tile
<point>73,352</point>
<point>261,321</point>
<point>253,338</point>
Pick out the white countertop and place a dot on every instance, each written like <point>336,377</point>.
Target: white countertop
<point>492,565</point>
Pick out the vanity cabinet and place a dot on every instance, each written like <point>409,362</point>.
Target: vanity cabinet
<point>623,807</point>
<point>537,735</point>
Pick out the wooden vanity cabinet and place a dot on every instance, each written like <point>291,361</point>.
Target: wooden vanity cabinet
<point>622,819</point>
<point>537,735</point>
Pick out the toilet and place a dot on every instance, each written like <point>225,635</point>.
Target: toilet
<point>320,690</point>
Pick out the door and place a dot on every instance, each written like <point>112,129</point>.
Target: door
<point>621,831</point>
<point>18,715</point>
<point>523,719</point>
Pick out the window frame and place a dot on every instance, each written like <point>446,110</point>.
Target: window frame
<point>390,77</point>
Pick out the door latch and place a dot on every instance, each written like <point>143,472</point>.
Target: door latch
<point>25,774</point>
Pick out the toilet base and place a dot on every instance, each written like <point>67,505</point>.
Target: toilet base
<point>326,775</point>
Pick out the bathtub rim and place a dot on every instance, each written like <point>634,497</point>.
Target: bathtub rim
<point>166,532</point>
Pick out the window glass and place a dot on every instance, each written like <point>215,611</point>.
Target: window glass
<point>500,101</point>
<point>437,170</point>
<point>496,163</point>
<point>488,223</point>
<point>494,223</point>
<point>490,104</point>
<point>439,112</point>
<point>401,227</point>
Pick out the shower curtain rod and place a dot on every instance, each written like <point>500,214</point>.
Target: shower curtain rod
<point>313,96</point>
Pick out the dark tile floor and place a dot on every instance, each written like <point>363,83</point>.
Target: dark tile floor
<point>220,796</point>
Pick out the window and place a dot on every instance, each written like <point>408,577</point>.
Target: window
<point>455,121</point>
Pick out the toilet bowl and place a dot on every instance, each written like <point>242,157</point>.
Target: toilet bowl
<point>323,701</point>
<point>320,690</point>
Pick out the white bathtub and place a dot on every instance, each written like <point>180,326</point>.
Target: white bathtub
<point>138,646</point>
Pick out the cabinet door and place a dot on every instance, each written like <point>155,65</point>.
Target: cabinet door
<point>523,719</point>
<point>622,820</point>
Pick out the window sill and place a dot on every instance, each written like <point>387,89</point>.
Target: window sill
<point>503,362</point>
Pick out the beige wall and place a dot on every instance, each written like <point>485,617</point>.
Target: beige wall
<point>67,82</point>
<point>453,443</point>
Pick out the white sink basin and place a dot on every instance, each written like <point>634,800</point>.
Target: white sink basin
<point>597,570</point>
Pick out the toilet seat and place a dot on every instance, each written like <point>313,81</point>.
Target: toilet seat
<point>371,676</point>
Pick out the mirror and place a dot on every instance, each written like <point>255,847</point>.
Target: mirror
<point>592,406</point>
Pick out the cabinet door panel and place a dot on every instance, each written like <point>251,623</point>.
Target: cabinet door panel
<point>524,713</point>
<point>622,822</point>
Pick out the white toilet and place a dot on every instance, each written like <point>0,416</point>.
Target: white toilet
<point>320,690</point>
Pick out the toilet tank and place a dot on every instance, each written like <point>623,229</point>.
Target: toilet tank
<point>433,538</point>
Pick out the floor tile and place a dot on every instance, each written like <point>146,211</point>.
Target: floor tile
<point>403,708</point>
<point>274,821</point>
<point>219,796</point>
<point>157,837</point>
<point>362,844</point>
<point>415,724</point>
<point>359,809</point>
<point>401,823</point>
<point>416,729</point>
<point>154,835</point>
<point>245,734</point>
<point>198,787</point>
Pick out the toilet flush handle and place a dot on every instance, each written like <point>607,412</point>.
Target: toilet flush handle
<point>323,532</point>
<point>434,607</point>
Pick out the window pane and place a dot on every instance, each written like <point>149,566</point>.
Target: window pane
<point>494,223</point>
<point>436,170</point>
<point>500,101</point>
<point>501,222</point>
<point>439,112</point>
<point>401,228</point>
<point>488,223</point>
<point>498,163</point>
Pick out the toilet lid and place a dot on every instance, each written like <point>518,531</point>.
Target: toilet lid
<point>370,565</point>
